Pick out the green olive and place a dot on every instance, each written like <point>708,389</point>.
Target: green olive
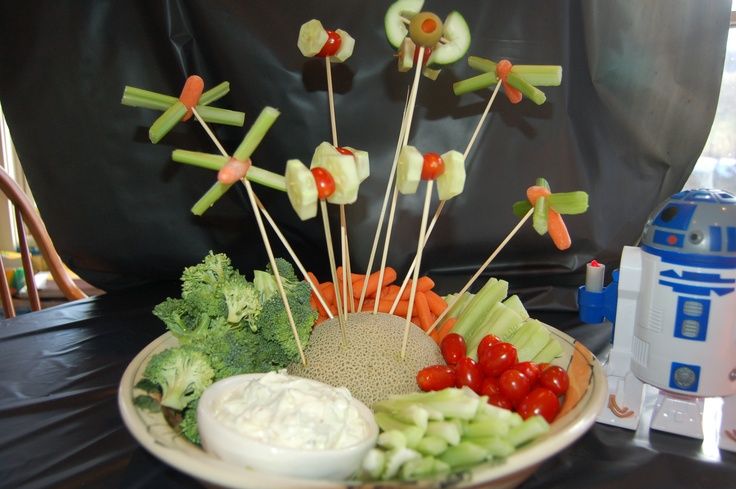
<point>425,29</point>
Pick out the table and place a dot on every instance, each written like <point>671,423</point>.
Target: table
<point>60,426</point>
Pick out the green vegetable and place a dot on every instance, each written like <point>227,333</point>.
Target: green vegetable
<point>569,202</point>
<point>182,373</point>
<point>457,35</point>
<point>147,403</point>
<point>478,308</point>
<point>396,29</point>
<point>188,425</point>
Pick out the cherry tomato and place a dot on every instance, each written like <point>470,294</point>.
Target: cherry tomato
<point>344,151</point>
<point>489,386</point>
<point>486,342</point>
<point>332,46</point>
<point>499,357</point>
<point>433,166</point>
<point>453,348</point>
<point>467,372</point>
<point>541,401</point>
<point>427,53</point>
<point>325,182</point>
<point>514,385</point>
<point>500,401</point>
<point>530,369</point>
<point>436,377</point>
<point>555,379</point>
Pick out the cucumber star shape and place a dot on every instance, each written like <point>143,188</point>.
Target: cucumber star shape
<point>517,80</point>
<point>548,210</point>
<point>180,109</point>
<point>233,168</point>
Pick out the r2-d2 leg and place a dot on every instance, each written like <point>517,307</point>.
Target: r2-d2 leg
<point>727,438</point>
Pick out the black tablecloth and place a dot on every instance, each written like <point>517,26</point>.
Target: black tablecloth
<point>60,425</point>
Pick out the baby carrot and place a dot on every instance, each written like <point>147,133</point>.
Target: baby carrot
<point>313,278</point>
<point>390,292</point>
<point>536,191</point>
<point>389,275</point>
<point>190,94</point>
<point>421,306</point>
<point>443,330</point>
<point>557,230</point>
<point>436,303</point>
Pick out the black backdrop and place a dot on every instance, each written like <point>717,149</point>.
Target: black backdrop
<point>640,86</point>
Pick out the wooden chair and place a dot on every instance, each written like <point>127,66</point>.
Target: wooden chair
<point>26,214</point>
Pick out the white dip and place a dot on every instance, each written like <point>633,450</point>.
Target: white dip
<point>292,412</point>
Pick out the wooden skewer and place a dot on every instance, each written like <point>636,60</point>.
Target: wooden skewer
<point>389,184</point>
<point>292,254</point>
<point>420,247</point>
<point>407,131</point>
<point>442,202</point>
<point>483,267</point>
<point>266,242</point>
<point>333,269</point>
<point>344,253</point>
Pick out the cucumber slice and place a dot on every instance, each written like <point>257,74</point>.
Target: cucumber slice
<point>457,34</point>
<point>312,37</point>
<point>409,170</point>
<point>452,180</point>
<point>405,56</point>
<point>431,73</point>
<point>347,44</point>
<point>514,302</point>
<point>362,162</point>
<point>301,189</point>
<point>343,171</point>
<point>396,30</point>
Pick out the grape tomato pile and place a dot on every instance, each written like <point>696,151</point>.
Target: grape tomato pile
<point>525,387</point>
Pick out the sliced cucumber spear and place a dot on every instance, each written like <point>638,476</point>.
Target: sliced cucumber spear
<point>312,37</point>
<point>409,170</point>
<point>452,180</point>
<point>301,189</point>
<point>343,170</point>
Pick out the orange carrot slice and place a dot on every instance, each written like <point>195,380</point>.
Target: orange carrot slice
<point>190,94</point>
<point>557,230</point>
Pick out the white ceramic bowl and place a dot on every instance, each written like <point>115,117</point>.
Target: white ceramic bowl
<point>241,450</point>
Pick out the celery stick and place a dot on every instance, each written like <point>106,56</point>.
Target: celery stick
<point>450,431</point>
<point>495,446</point>
<point>463,454</point>
<point>137,97</point>
<point>392,439</point>
<point>542,182</point>
<point>266,178</point>
<point>395,459</point>
<point>502,322</point>
<point>210,197</point>
<point>413,414</point>
<point>486,426</point>
<point>477,82</point>
<point>476,311</point>
<point>481,64</point>
<point>551,350</point>
<point>214,93</point>
<point>540,75</point>
<point>490,411</point>
<point>202,160</point>
<point>451,402</point>
<point>530,429</point>
<point>531,92</point>
<point>539,218</point>
<point>374,464</point>
<point>166,121</point>
<point>458,304</point>
<point>412,433</point>
<point>431,445</point>
<point>520,208</point>
<point>530,340</point>
<point>256,133</point>
<point>514,303</point>
<point>217,115</point>
<point>569,202</point>
<point>422,467</point>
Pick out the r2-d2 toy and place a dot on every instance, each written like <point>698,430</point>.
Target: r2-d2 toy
<point>673,306</point>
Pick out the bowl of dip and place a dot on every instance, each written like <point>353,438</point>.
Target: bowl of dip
<point>286,425</point>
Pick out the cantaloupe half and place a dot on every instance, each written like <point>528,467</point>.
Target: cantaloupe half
<point>370,366</point>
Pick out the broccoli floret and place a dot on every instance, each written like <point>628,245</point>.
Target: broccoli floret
<point>286,270</point>
<point>201,284</point>
<point>265,282</point>
<point>182,373</point>
<point>273,323</point>
<point>242,300</point>
<point>187,323</point>
<point>188,425</point>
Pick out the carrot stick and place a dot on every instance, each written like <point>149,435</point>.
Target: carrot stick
<point>436,303</point>
<point>401,308</point>
<point>193,87</point>
<point>424,284</point>
<point>557,230</point>
<point>390,292</point>
<point>536,191</point>
<point>389,275</point>
<point>353,276</point>
<point>328,292</point>
<point>422,309</point>
<point>445,328</point>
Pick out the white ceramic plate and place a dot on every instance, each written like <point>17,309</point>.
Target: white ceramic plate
<point>584,400</point>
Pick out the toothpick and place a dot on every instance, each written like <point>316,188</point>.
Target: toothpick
<point>482,119</point>
<point>292,253</point>
<point>407,131</point>
<point>266,241</point>
<point>482,268</point>
<point>420,247</point>
<point>382,214</point>
<point>333,270</point>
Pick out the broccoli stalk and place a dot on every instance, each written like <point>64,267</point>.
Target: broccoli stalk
<point>182,373</point>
